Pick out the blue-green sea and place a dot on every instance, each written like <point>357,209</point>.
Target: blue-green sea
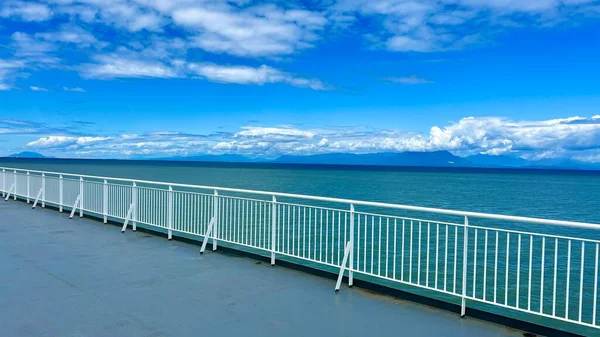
<point>553,194</point>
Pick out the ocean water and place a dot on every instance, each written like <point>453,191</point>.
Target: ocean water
<point>564,195</point>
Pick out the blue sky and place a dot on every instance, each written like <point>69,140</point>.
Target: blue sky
<point>158,78</point>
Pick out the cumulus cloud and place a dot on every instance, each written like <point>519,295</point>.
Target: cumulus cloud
<point>248,75</point>
<point>27,11</point>
<point>8,71</point>
<point>68,142</point>
<point>408,80</point>
<point>73,89</point>
<point>138,64</point>
<point>121,66</point>
<point>256,31</point>
<point>35,88</point>
<point>575,138</point>
<point>433,26</point>
<point>70,35</point>
<point>159,38</point>
<point>273,132</point>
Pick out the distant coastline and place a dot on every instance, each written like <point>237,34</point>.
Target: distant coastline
<point>7,161</point>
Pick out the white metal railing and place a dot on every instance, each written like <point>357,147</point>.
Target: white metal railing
<point>535,271</point>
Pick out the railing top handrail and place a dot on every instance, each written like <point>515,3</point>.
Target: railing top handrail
<point>338,200</point>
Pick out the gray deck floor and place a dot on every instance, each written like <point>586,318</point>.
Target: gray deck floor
<point>61,277</point>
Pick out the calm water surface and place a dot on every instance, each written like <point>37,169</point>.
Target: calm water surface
<point>566,195</point>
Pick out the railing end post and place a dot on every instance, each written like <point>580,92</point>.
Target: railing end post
<point>273,229</point>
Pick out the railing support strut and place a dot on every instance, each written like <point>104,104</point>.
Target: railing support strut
<point>77,203</point>
<point>273,230</point>
<point>127,218</point>
<point>209,231</point>
<point>463,305</point>
<point>37,198</point>
<point>343,267</point>
<point>11,190</point>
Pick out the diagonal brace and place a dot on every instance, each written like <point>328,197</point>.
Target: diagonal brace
<point>37,198</point>
<point>127,218</point>
<point>77,202</point>
<point>208,233</point>
<point>12,189</point>
<point>343,267</point>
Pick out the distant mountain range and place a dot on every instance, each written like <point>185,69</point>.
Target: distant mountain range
<point>437,158</point>
<point>224,158</point>
<point>423,159</point>
<point>27,154</point>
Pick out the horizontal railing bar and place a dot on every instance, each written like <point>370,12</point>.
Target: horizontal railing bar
<point>537,313</point>
<point>412,219</point>
<point>315,207</point>
<point>494,229</point>
<point>345,201</point>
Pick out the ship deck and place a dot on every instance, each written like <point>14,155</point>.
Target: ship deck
<point>79,277</point>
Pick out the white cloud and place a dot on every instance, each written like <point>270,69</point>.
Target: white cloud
<point>409,80</point>
<point>575,138</point>
<point>122,65</point>
<point>27,11</point>
<point>67,142</point>
<point>74,89</point>
<point>69,34</point>
<point>27,46</point>
<point>248,75</point>
<point>432,25</point>
<point>35,88</point>
<point>8,71</point>
<point>273,132</point>
<point>265,30</point>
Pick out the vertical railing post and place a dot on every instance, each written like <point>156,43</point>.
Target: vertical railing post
<point>43,190</point>
<point>60,193</point>
<point>351,268</point>
<point>135,208</point>
<point>28,190</point>
<point>273,230</point>
<point>170,214</point>
<point>16,189</point>
<point>463,306</point>
<point>105,200</point>
<point>216,217</point>
<point>3,182</point>
<point>81,197</point>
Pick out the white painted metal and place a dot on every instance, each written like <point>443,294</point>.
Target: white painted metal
<point>216,220</point>
<point>81,197</point>
<point>273,230</point>
<point>343,266</point>
<point>37,198</point>
<point>463,305</point>
<point>105,201</point>
<point>43,190</point>
<point>60,192</point>
<point>351,250</point>
<point>15,183</point>
<point>134,197</point>
<point>207,234</point>
<point>12,189</point>
<point>28,189</point>
<point>77,203</point>
<point>170,213</point>
<point>312,230</point>
<point>127,218</point>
